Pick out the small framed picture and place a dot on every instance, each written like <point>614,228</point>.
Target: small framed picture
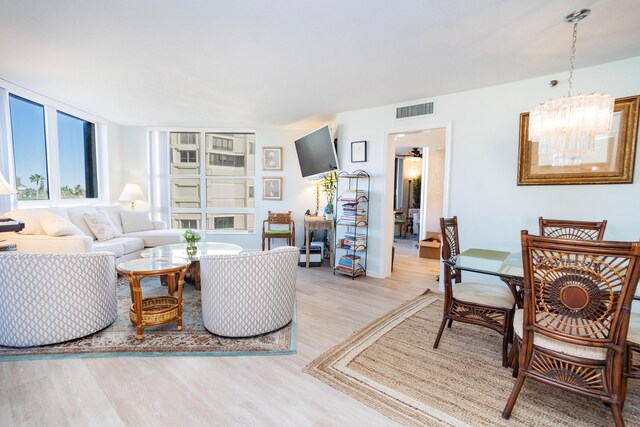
<point>358,151</point>
<point>271,188</point>
<point>272,158</point>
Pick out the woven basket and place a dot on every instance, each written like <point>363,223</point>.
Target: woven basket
<point>156,310</point>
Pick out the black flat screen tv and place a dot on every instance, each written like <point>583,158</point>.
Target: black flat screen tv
<point>316,152</point>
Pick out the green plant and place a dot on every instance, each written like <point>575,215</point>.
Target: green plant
<point>191,236</point>
<point>417,191</point>
<point>328,182</point>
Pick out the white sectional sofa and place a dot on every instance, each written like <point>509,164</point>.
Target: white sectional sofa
<point>46,233</point>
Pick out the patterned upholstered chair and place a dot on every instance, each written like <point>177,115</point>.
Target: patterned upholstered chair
<point>480,304</point>
<point>250,293</point>
<point>51,298</point>
<point>574,230</point>
<point>573,328</point>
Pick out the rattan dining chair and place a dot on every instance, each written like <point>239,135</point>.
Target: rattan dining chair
<point>632,350</point>
<point>480,304</point>
<point>573,328</point>
<point>574,230</point>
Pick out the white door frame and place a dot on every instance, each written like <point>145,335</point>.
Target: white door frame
<point>388,219</point>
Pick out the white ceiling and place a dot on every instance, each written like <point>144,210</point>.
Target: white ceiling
<point>254,63</point>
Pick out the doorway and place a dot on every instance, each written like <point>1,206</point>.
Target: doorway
<point>418,161</point>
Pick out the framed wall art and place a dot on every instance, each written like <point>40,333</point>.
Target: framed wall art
<point>611,161</point>
<point>271,188</point>
<point>272,158</point>
<point>358,151</point>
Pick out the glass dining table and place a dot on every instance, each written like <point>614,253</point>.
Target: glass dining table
<point>505,265</point>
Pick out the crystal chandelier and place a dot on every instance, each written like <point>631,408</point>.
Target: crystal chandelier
<point>566,128</point>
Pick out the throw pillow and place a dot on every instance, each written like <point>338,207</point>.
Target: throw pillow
<point>101,225</point>
<point>135,221</point>
<point>55,225</point>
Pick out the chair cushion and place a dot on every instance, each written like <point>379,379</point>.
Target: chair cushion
<point>277,232</point>
<point>634,328</point>
<point>540,340</point>
<point>485,294</point>
<point>113,245</point>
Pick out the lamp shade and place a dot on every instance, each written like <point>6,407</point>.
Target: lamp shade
<point>5,188</point>
<point>131,193</point>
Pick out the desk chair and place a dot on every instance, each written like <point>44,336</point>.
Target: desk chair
<point>400,221</point>
<point>279,219</point>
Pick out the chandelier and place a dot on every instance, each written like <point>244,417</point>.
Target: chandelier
<point>565,128</point>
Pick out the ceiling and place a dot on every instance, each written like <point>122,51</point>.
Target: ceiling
<point>289,63</point>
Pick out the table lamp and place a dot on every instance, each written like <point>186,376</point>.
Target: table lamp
<point>5,188</point>
<point>131,193</point>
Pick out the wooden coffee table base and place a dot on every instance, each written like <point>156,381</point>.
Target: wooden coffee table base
<point>192,275</point>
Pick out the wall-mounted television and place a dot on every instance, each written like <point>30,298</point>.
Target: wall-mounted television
<point>316,152</point>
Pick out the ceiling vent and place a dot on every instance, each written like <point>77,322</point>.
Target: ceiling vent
<point>415,110</point>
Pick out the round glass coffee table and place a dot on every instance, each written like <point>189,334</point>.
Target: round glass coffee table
<point>180,250</point>
<point>155,310</point>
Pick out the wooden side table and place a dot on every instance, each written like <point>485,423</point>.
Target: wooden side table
<point>155,310</point>
<point>319,223</point>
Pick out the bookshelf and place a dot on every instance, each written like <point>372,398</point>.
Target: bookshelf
<point>352,223</point>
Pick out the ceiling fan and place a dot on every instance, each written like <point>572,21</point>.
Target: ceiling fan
<point>413,153</point>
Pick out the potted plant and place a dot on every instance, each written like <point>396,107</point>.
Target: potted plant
<point>328,182</point>
<point>191,237</point>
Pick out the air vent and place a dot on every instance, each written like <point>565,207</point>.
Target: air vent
<point>415,110</point>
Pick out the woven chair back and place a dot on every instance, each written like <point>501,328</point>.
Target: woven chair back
<point>450,247</point>
<point>575,291</point>
<point>573,230</point>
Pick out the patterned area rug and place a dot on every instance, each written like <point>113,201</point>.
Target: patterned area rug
<point>119,339</point>
<point>392,367</point>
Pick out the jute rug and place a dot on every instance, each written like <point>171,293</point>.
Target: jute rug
<point>392,367</point>
<point>119,339</point>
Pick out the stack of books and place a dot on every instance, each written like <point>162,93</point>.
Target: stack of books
<point>354,241</point>
<point>352,214</point>
<point>352,195</point>
<point>348,263</point>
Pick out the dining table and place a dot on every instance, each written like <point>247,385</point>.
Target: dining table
<point>507,266</point>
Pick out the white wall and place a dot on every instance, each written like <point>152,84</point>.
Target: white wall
<point>433,186</point>
<point>297,194</point>
<point>491,208</point>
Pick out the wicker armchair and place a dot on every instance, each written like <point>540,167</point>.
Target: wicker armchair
<point>480,304</point>
<point>250,293</point>
<point>52,298</point>
<point>573,327</point>
<point>574,230</point>
<point>279,232</point>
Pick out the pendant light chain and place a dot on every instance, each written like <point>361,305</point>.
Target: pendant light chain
<point>573,55</point>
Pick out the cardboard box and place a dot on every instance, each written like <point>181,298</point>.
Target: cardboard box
<point>430,247</point>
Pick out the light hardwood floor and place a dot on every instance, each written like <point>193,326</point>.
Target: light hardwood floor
<point>225,391</point>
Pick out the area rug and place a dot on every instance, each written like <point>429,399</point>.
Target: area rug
<point>392,367</point>
<point>119,339</point>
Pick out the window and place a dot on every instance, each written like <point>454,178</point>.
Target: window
<point>77,153</point>
<point>188,156</point>
<point>28,133</point>
<point>218,195</point>
<point>226,160</point>
<point>222,222</point>
<point>188,223</point>
<point>52,165</point>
